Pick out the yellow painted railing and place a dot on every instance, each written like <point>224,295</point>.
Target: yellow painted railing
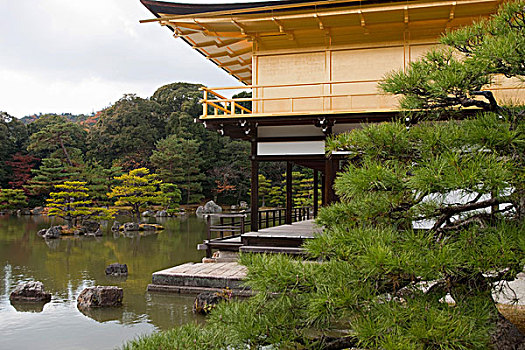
<point>216,105</point>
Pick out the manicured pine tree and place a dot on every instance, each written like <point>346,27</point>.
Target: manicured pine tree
<point>70,201</point>
<point>277,197</point>
<point>172,196</point>
<point>99,181</point>
<point>264,189</point>
<point>12,199</point>
<point>50,173</point>
<point>137,189</point>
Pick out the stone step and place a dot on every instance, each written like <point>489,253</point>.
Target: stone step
<point>273,250</point>
<point>202,275</point>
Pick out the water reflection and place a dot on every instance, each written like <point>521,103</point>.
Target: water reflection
<point>28,307</point>
<point>67,266</point>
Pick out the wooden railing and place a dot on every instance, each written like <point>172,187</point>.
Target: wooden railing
<point>233,225</point>
<point>222,104</point>
<point>216,105</point>
<point>274,217</point>
<point>230,225</point>
<point>225,234</point>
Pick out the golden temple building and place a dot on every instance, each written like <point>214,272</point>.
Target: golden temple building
<point>312,68</point>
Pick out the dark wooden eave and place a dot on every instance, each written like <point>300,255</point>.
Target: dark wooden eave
<point>237,127</point>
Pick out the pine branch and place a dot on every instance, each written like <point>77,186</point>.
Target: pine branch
<point>448,212</point>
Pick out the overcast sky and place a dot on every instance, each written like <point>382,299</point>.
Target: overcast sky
<point>59,56</point>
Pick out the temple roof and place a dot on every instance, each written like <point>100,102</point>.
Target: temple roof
<point>229,33</point>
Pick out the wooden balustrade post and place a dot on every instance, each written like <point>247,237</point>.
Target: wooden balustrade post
<point>208,224</point>
<point>221,221</point>
<point>205,103</point>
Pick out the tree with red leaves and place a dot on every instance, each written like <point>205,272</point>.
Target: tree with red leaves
<point>21,166</point>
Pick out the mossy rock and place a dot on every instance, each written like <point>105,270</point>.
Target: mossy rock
<point>515,314</point>
<point>150,227</point>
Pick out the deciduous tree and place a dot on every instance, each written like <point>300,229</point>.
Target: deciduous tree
<point>13,138</point>
<point>21,166</point>
<point>126,132</point>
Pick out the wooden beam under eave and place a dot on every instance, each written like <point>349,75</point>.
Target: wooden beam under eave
<point>185,25</point>
<point>224,34</point>
<point>228,42</point>
<point>230,53</point>
<point>240,71</point>
<point>232,63</point>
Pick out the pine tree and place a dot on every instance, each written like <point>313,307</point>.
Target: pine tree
<point>99,181</point>
<point>380,280</point>
<point>71,202</point>
<point>137,189</point>
<point>264,189</point>
<point>171,196</point>
<point>177,160</point>
<point>12,199</point>
<point>58,134</point>
<point>50,173</point>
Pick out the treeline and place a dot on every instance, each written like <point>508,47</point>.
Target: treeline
<point>158,133</point>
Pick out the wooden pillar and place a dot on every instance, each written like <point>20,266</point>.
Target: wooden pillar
<point>330,169</point>
<point>323,184</point>
<point>289,202</point>
<point>316,195</point>
<point>254,200</point>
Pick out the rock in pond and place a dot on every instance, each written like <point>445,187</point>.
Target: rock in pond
<point>100,296</point>
<point>52,232</point>
<point>91,226</point>
<point>30,292</point>
<point>131,226</point>
<point>117,269</point>
<point>150,227</point>
<point>42,232</point>
<point>205,302</point>
<point>148,213</point>
<point>37,211</point>
<point>211,207</point>
<point>161,214</point>
<point>116,226</point>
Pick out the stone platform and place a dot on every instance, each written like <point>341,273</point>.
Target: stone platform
<point>193,278</point>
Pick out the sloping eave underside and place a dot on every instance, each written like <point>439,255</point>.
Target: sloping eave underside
<point>227,34</point>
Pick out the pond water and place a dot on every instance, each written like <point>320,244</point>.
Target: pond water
<point>67,265</point>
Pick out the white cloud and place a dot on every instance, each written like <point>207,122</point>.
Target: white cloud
<point>79,56</point>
